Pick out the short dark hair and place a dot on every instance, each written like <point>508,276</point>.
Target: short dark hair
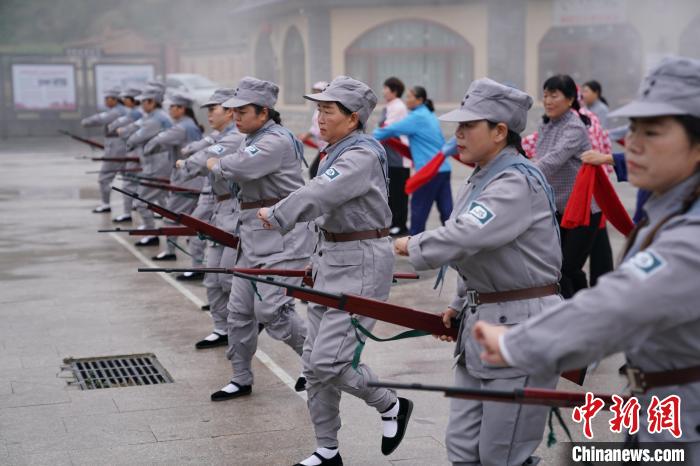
<point>513,139</point>
<point>348,112</point>
<point>567,86</point>
<point>272,114</point>
<point>691,125</point>
<point>396,85</point>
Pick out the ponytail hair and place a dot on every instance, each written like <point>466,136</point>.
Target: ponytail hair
<point>597,88</point>
<point>190,113</point>
<point>513,139</point>
<point>272,114</point>
<point>421,93</point>
<point>566,85</point>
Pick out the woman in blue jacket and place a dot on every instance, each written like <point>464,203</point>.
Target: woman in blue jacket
<point>423,131</point>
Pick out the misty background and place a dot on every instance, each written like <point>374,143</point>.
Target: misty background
<point>58,56</point>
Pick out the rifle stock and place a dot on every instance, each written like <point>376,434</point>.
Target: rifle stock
<point>114,159</point>
<point>121,170</point>
<point>163,231</point>
<point>89,142</point>
<point>206,229</point>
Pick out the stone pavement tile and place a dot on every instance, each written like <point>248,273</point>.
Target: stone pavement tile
<point>21,429</point>
<point>275,447</point>
<point>52,458</point>
<point>5,388</point>
<point>195,452</point>
<point>33,399</point>
<point>264,410</point>
<point>89,437</point>
<point>157,397</point>
<point>9,362</point>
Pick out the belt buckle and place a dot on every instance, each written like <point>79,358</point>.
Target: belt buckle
<point>636,380</point>
<point>473,298</point>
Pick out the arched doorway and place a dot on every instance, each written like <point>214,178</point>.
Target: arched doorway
<point>416,51</point>
<point>294,59</point>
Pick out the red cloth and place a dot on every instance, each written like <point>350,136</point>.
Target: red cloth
<point>398,146</point>
<point>592,181</point>
<point>309,142</point>
<point>425,174</point>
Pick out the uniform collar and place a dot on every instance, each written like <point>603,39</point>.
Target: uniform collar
<point>267,124</point>
<point>481,172</point>
<point>659,206</point>
<point>330,148</point>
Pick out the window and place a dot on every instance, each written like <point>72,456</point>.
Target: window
<point>294,68</point>
<point>416,51</point>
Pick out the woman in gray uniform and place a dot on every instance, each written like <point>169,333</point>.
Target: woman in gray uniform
<point>155,165</point>
<point>348,200</point>
<point>503,241</point>
<point>185,130</point>
<point>266,168</point>
<point>130,181</point>
<point>225,211</point>
<point>648,307</point>
<point>114,146</point>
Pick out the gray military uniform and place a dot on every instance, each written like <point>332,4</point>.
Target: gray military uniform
<point>647,308</point>
<point>225,215</point>
<point>130,181</point>
<point>114,147</point>
<point>502,240</point>
<point>205,202</point>
<point>155,165</point>
<point>182,132</point>
<point>266,166</point>
<point>348,195</point>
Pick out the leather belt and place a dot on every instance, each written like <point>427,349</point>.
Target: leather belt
<point>223,197</point>
<point>475,298</point>
<point>260,204</point>
<point>640,381</point>
<point>355,235</point>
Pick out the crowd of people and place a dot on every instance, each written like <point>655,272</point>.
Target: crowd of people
<point>525,308</point>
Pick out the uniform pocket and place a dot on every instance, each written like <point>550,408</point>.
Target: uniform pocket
<point>342,269</point>
<point>266,242</point>
<point>503,314</point>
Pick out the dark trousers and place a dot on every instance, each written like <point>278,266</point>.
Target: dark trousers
<point>576,246</point>
<point>601,261</point>
<point>398,199</point>
<point>436,190</point>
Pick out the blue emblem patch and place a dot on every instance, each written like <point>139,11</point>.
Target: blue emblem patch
<point>252,150</point>
<point>480,213</point>
<point>217,149</point>
<point>644,264</point>
<point>331,174</point>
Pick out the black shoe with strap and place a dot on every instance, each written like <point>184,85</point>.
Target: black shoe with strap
<point>335,461</point>
<point>222,395</point>
<point>205,344</point>
<point>389,444</point>
<point>164,256</point>
<point>190,276</point>
<point>149,241</point>
<point>122,219</point>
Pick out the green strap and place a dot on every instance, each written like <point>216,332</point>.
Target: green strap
<point>551,439</point>
<point>361,344</point>
<point>255,289</point>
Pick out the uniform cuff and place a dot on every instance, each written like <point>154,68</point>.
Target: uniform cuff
<point>414,254</point>
<point>504,351</point>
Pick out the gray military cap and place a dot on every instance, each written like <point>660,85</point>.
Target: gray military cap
<point>355,95</point>
<point>113,92</point>
<point>154,93</point>
<point>671,88</point>
<point>219,96</point>
<point>487,99</point>
<point>132,92</point>
<point>181,100</point>
<point>253,91</point>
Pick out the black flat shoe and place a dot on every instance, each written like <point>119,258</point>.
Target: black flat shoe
<point>150,241</point>
<point>335,461</point>
<point>221,395</point>
<point>206,307</point>
<point>300,385</point>
<point>101,209</point>
<point>122,219</point>
<point>205,344</point>
<point>190,276</point>
<point>164,257</point>
<point>389,444</point>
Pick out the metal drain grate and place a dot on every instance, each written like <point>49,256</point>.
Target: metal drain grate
<point>118,371</point>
